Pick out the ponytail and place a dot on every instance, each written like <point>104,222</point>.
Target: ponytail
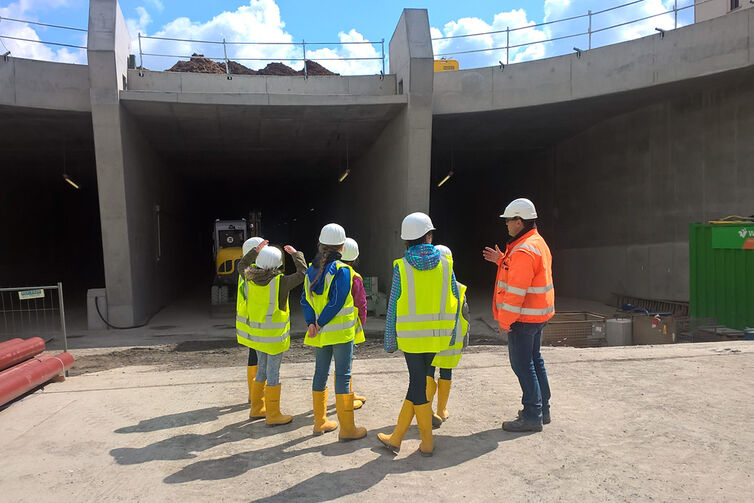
<point>325,251</point>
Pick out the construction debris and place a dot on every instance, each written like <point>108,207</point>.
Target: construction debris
<point>199,64</point>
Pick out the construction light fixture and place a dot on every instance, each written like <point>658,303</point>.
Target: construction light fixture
<point>344,175</point>
<point>578,52</point>
<point>447,177</point>
<point>662,32</point>
<point>71,182</point>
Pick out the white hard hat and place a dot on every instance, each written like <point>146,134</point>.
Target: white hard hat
<point>251,243</point>
<point>444,250</point>
<point>350,251</point>
<point>415,226</point>
<point>333,235</point>
<point>269,258</point>
<point>521,208</point>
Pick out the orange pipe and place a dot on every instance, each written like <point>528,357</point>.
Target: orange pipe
<point>15,382</point>
<point>20,351</point>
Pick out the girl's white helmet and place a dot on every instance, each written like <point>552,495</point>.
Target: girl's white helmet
<point>350,251</point>
<point>415,226</point>
<point>444,250</point>
<point>333,235</point>
<point>269,258</point>
<point>250,244</point>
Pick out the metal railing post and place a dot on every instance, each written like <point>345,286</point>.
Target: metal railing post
<point>62,319</point>
<point>675,13</point>
<point>141,58</point>
<point>589,30</point>
<point>383,55</point>
<point>507,44</point>
<point>306,71</point>
<point>225,55</point>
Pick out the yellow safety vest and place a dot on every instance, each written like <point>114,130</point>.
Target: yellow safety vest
<point>242,325</point>
<point>359,337</point>
<point>342,328</point>
<point>269,326</point>
<point>449,358</point>
<point>426,309</point>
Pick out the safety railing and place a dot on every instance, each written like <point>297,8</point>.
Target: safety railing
<point>36,311</point>
<point>3,37</point>
<point>588,31</point>
<point>224,59</point>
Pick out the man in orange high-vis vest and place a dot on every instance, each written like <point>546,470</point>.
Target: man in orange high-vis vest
<point>524,301</point>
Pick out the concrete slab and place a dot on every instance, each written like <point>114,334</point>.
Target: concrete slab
<point>629,424</point>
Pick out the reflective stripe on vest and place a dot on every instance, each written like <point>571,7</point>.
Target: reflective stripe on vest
<point>521,291</point>
<point>270,332</point>
<point>526,310</point>
<point>451,357</point>
<point>242,293</point>
<point>425,332</point>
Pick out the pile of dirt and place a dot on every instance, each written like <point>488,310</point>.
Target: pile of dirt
<point>199,64</point>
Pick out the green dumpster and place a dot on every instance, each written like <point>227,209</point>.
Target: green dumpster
<point>721,279</point>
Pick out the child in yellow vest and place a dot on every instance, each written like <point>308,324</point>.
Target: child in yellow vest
<point>248,250</point>
<point>448,359</point>
<point>351,257</point>
<point>331,320</point>
<point>269,324</point>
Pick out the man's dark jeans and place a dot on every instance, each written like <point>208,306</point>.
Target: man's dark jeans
<point>524,341</point>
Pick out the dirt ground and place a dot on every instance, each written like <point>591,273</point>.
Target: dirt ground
<point>210,354</point>
<point>662,423</point>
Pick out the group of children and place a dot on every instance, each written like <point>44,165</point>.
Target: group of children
<point>425,320</point>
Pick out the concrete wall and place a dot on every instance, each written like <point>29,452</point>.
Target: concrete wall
<point>704,10</point>
<point>178,82</point>
<point>43,84</point>
<point>721,44</point>
<point>625,190</point>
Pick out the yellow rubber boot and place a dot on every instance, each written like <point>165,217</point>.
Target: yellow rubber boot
<point>272,399</point>
<point>393,441</point>
<point>258,409</point>
<point>443,392</point>
<point>431,388</point>
<point>424,421</point>
<point>251,373</point>
<point>357,399</point>
<point>321,424</point>
<point>348,430</point>
<point>357,403</point>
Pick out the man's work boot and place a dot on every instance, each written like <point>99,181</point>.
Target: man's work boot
<point>545,416</point>
<point>522,425</point>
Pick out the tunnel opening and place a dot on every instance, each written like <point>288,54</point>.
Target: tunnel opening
<point>225,162</point>
<point>49,203</point>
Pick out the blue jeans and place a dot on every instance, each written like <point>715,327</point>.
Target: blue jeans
<point>524,341</point>
<point>269,368</point>
<point>343,354</point>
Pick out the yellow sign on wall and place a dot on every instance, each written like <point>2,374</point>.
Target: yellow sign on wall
<point>446,65</point>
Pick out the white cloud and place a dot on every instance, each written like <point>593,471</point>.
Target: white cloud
<point>258,21</point>
<point>157,4</point>
<point>603,21</point>
<point>523,34</point>
<point>25,9</point>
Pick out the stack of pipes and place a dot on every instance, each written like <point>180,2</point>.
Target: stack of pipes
<point>23,367</point>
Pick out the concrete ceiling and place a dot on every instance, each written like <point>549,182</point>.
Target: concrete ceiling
<point>32,133</point>
<point>539,127</point>
<point>254,140</point>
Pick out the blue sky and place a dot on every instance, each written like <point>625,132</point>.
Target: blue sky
<point>337,20</point>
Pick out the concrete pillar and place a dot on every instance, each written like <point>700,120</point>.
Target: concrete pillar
<point>392,179</point>
<point>128,174</point>
<point>108,45</point>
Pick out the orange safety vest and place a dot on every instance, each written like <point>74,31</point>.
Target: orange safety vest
<point>523,288</point>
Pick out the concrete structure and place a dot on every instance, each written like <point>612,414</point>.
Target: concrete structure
<point>620,148</point>
<point>708,9</point>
